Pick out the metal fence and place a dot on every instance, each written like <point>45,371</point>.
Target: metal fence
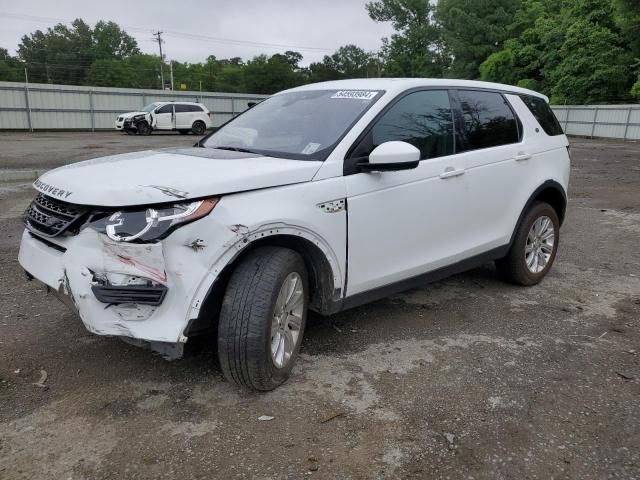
<point>38,106</point>
<point>603,121</point>
<point>43,106</point>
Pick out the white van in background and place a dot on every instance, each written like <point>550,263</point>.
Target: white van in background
<point>184,117</point>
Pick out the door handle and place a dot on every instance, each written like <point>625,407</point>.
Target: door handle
<point>451,172</point>
<point>521,157</point>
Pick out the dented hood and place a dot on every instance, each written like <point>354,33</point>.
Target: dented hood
<point>160,176</point>
<point>132,114</point>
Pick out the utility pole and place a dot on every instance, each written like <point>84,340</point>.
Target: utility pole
<point>171,65</point>
<point>159,38</point>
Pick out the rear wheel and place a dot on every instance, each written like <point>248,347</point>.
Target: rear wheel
<point>534,247</point>
<point>262,318</point>
<point>198,127</point>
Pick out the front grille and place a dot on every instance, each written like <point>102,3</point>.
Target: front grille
<point>117,295</point>
<point>51,217</point>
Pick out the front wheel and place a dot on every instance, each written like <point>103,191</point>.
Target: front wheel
<point>262,318</point>
<point>143,128</point>
<point>534,247</point>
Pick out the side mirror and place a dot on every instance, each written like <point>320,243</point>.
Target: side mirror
<point>391,156</point>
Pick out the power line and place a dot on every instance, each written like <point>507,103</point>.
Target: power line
<point>191,36</point>
<point>248,43</point>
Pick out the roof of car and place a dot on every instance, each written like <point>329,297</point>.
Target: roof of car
<point>178,101</point>
<point>398,85</point>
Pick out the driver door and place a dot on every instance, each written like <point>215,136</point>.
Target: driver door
<point>405,223</point>
<point>165,117</point>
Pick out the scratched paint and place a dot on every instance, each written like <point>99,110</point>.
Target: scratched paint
<point>144,260</point>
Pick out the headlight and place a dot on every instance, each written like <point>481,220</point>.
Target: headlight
<point>153,223</point>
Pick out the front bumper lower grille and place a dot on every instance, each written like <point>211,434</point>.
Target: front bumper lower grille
<point>50,217</point>
<point>142,295</point>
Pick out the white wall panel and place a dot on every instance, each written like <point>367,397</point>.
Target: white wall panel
<point>70,107</point>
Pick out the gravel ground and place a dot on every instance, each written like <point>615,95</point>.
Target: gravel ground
<point>468,378</point>
<point>53,149</point>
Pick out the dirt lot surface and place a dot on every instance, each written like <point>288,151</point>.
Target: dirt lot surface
<point>468,378</point>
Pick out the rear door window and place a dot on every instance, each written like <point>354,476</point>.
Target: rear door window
<point>543,113</point>
<point>422,119</point>
<point>181,108</point>
<point>487,121</point>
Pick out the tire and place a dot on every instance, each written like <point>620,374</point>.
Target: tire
<point>183,132</point>
<point>526,263</point>
<point>249,316</point>
<point>143,128</point>
<point>198,127</point>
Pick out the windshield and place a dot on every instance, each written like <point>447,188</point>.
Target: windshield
<point>303,125</point>
<point>150,108</point>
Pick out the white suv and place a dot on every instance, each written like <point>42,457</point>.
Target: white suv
<point>184,117</point>
<point>322,197</point>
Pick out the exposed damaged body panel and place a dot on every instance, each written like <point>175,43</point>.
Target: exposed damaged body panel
<point>168,281</point>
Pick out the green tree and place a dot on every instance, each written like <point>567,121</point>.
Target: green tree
<point>527,58</point>
<point>65,54</point>
<point>628,12</point>
<point>265,74</point>
<point>572,50</point>
<point>11,69</point>
<point>136,71</point>
<point>473,30</point>
<point>629,20</point>
<point>110,41</point>
<point>594,67</point>
<point>231,78</point>
<point>417,48</point>
<point>348,61</point>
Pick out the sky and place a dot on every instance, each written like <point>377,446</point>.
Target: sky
<point>193,30</point>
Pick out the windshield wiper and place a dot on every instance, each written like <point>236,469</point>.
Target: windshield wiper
<point>235,149</point>
<point>243,150</point>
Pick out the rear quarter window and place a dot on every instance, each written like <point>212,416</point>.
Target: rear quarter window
<point>488,120</point>
<point>544,115</point>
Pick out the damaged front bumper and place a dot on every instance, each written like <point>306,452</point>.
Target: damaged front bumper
<point>143,293</point>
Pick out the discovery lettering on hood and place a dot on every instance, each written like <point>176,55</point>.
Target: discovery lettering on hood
<point>51,190</point>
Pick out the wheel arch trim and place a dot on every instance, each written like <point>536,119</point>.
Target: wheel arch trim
<point>326,276</point>
<point>545,191</point>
